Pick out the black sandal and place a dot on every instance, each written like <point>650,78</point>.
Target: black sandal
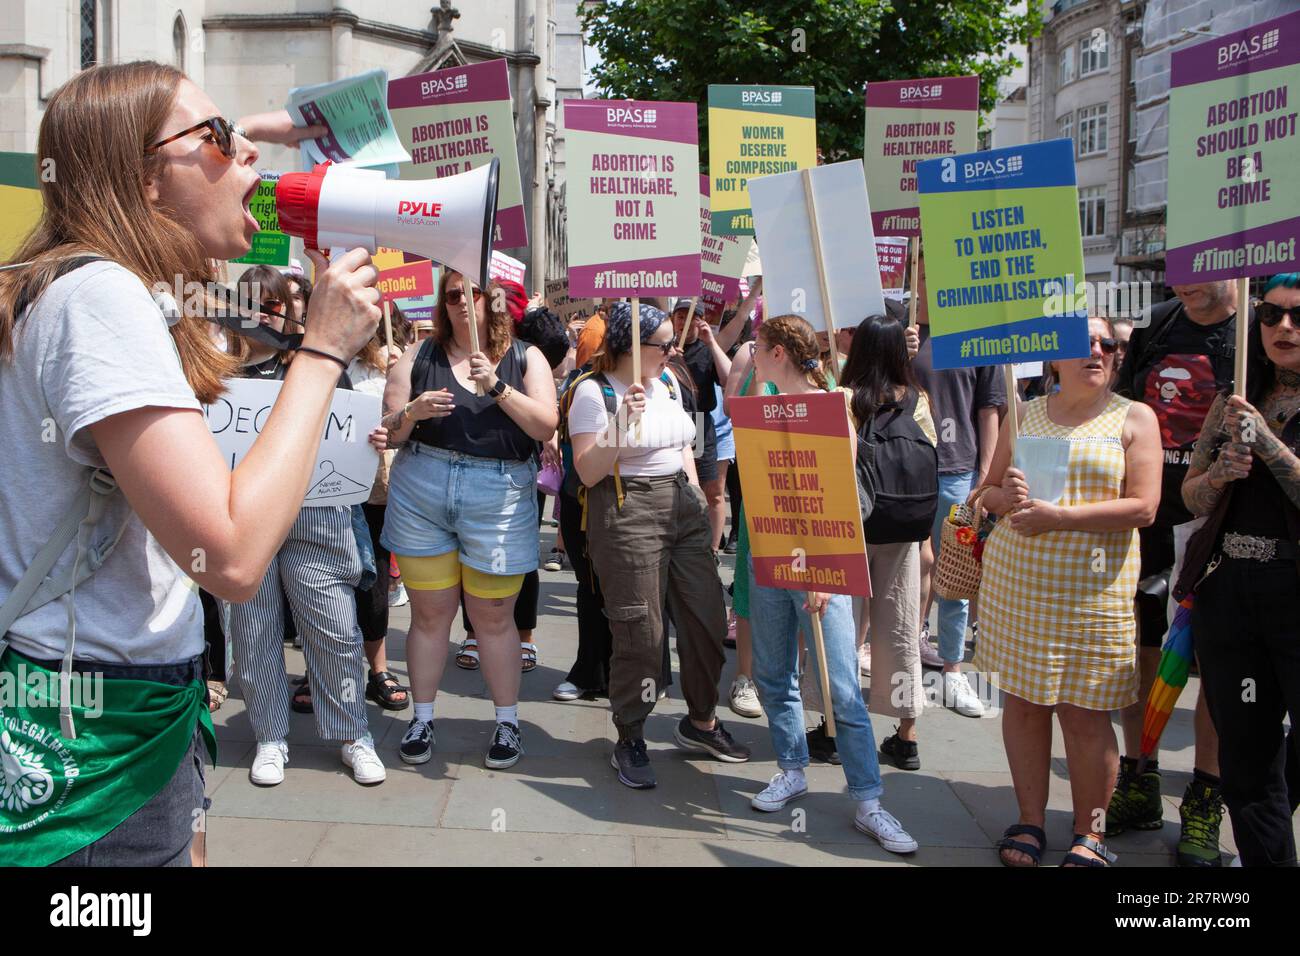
<point>1035,853</point>
<point>382,692</point>
<point>1096,846</point>
<point>300,702</point>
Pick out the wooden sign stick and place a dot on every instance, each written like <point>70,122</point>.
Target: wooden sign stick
<point>821,275</point>
<point>686,326</point>
<point>914,248</point>
<point>1243,328</point>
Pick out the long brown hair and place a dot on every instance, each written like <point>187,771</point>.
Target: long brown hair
<point>500,326</point>
<point>94,134</point>
<point>800,342</point>
<point>374,354</point>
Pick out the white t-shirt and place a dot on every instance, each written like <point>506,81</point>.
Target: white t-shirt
<point>366,378</point>
<point>655,447</point>
<point>93,345</point>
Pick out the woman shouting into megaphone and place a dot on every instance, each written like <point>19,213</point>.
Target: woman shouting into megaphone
<point>116,498</point>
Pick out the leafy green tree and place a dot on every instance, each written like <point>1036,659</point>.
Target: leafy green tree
<point>673,50</point>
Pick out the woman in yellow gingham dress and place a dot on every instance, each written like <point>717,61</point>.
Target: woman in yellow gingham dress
<point>1056,597</point>
<point>1056,609</point>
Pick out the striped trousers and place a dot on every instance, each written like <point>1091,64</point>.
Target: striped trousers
<point>318,568</point>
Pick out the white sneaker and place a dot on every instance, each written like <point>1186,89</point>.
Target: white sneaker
<point>929,653</point>
<point>397,597</point>
<point>880,824</point>
<point>958,695</point>
<point>566,691</point>
<point>268,763</point>
<point>554,561</point>
<point>366,766</point>
<point>744,697</point>
<point>864,659</point>
<point>784,787</point>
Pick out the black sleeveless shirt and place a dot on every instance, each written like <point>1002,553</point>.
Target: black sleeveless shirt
<point>1259,506</point>
<point>478,425</point>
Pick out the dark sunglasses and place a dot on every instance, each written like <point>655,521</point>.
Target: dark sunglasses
<point>457,296</point>
<point>1108,346</point>
<point>665,347</point>
<point>1271,314</point>
<point>223,135</point>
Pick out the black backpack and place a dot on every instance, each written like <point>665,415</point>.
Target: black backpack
<point>898,475</point>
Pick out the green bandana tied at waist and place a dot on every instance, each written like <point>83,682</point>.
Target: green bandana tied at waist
<point>58,795</point>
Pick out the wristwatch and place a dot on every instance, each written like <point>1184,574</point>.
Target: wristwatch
<point>496,390</point>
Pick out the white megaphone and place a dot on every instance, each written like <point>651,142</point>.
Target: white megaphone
<point>450,220</point>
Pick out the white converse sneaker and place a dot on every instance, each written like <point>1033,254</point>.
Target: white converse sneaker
<point>268,763</point>
<point>880,824</point>
<point>958,695</point>
<point>397,597</point>
<point>864,659</point>
<point>785,786</point>
<point>366,766</point>
<point>744,697</point>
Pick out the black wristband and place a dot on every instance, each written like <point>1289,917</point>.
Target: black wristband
<point>332,358</point>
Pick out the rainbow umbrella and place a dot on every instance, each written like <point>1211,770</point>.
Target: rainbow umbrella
<point>1175,662</point>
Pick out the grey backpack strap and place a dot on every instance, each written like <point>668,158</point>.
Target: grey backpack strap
<point>36,589</point>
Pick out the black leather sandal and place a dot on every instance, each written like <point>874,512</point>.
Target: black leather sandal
<point>1035,853</point>
<point>382,687</point>
<point>1096,846</point>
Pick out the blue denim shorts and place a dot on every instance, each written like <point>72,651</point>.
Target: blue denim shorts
<point>484,508</point>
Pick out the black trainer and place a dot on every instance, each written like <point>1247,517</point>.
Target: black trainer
<point>904,754</point>
<point>821,747</point>
<point>717,741</point>
<point>633,764</point>
<point>417,742</point>
<point>730,546</point>
<point>507,747</point>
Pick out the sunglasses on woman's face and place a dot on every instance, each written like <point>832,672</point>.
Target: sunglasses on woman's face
<point>1271,314</point>
<point>222,130</point>
<point>457,296</point>
<point>1108,346</point>
<point>665,347</point>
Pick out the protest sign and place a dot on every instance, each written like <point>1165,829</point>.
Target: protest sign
<point>402,275</point>
<point>455,120</point>
<point>819,263</point>
<point>633,210</point>
<point>907,121</point>
<point>20,200</point>
<point>355,111</point>
<point>504,267</point>
<point>891,253</point>
<point>1004,257</point>
<point>345,461</point>
<point>753,264</point>
<point>1232,155</point>
<point>567,308</point>
<point>755,131</point>
<point>795,458</point>
<point>270,245</point>
<point>420,307</point>
<point>721,260</point>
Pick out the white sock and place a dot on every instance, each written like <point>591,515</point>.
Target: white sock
<point>424,712</point>
<point>508,715</point>
<point>867,806</point>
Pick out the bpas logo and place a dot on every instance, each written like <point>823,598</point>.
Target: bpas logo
<point>760,96</point>
<point>630,116</point>
<point>448,84</point>
<point>979,168</point>
<point>921,92</point>
<point>419,210</point>
<point>1234,50</point>
<point>785,411</point>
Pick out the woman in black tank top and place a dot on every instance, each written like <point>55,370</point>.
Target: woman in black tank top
<point>462,511</point>
<point>1245,476</point>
